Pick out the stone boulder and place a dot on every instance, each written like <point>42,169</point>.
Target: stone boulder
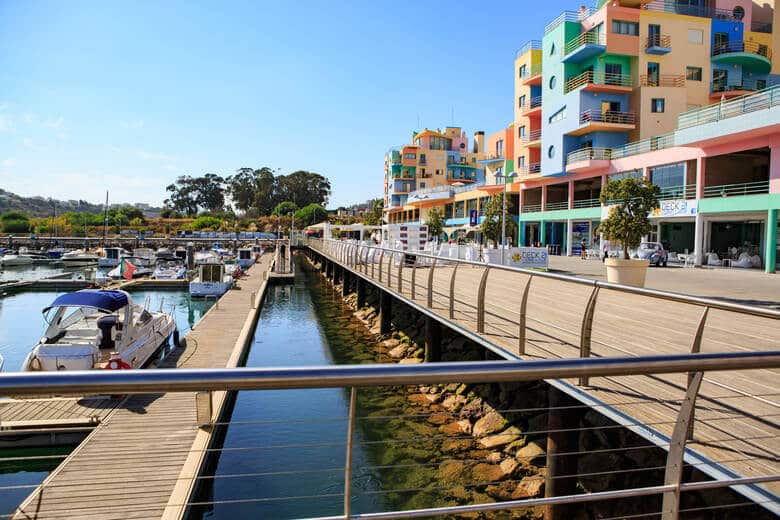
<point>511,434</point>
<point>531,454</point>
<point>484,473</point>
<point>490,423</point>
<point>529,487</point>
<point>398,351</point>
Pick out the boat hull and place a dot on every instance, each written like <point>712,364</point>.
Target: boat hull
<point>200,289</point>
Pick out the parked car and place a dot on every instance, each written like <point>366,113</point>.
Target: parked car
<point>654,252</point>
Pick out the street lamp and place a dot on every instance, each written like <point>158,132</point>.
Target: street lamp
<point>503,216</point>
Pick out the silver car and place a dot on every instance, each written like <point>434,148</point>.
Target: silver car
<point>654,252</point>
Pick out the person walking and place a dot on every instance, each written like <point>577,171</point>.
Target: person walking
<point>583,251</point>
<point>605,249</point>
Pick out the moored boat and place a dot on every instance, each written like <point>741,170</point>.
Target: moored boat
<point>13,259</point>
<point>90,327</point>
<point>245,257</point>
<point>112,256</point>
<point>79,257</point>
<point>169,270</point>
<point>212,279</point>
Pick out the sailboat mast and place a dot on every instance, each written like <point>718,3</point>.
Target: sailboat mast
<point>105,219</point>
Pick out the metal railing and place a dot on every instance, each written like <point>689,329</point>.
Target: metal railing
<point>533,135</point>
<point>607,116</point>
<point>586,203</point>
<point>665,6</point>
<point>566,16</point>
<point>535,167</point>
<point>533,103</point>
<point>742,46</point>
<point>597,78</point>
<point>531,45</point>
<point>586,38</point>
<point>730,190</point>
<point>749,85</point>
<point>662,80</point>
<point>687,191</point>
<point>658,40</point>
<point>531,71</point>
<point>589,154</point>
<point>649,144</point>
<point>732,108</point>
<point>555,206</point>
<point>530,208</point>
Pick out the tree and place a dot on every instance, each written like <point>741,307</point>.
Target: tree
<point>15,222</point>
<point>303,188</point>
<point>206,222</point>
<point>241,188</point>
<point>435,222</point>
<point>491,225</point>
<point>374,217</point>
<point>183,196</point>
<point>266,194</point>
<point>311,214</point>
<point>631,201</point>
<point>210,192</point>
<point>285,208</point>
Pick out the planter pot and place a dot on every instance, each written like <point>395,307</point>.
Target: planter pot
<point>626,272</point>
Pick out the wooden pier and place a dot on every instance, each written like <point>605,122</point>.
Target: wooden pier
<point>142,460</point>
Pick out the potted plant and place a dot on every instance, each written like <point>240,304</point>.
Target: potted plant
<point>630,201</point>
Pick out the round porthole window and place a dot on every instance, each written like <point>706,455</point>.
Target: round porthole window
<point>462,145</point>
<point>553,81</point>
<point>738,12</point>
<point>551,152</point>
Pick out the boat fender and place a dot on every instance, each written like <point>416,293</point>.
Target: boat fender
<point>35,364</point>
<point>116,362</point>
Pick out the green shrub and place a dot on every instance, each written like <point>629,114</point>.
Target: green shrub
<point>206,223</point>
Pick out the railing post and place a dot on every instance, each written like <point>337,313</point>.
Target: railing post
<point>452,291</point>
<point>401,273</point>
<point>348,462</point>
<point>587,329</point>
<point>523,306</point>
<point>430,284</point>
<point>390,269</point>
<point>414,276</point>
<point>675,459</point>
<point>481,300</point>
<point>695,349</point>
<point>381,259</point>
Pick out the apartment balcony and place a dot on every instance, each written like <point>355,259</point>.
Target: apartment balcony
<point>586,203</point>
<point>597,81</point>
<point>662,80</point>
<point>532,75</point>
<point>556,206</point>
<point>588,159</point>
<point>664,6</point>
<point>532,108</point>
<point>531,208</point>
<point>752,55</point>
<point>762,27</point>
<point>535,168</point>
<point>607,121</point>
<point>583,47</point>
<point>721,89</point>
<point>532,139</point>
<point>735,190</point>
<point>687,191</point>
<point>531,45</point>
<point>492,158</point>
<point>658,44</point>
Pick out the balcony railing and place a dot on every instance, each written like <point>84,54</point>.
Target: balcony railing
<point>734,107</point>
<point>658,40</point>
<point>531,208</point>
<point>732,190</point>
<point>688,191</point>
<point>597,78</point>
<point>586,38</point>
<point>569,16</point>
<point>608,116</point>
<point>535,167</point>
<point>586,203</point>
<point>533,135</point>
<point>649,144</point>
<point>762,27</point>
<point>491,156</point>
<point>533,103</point>
<point>531,45</point>
<point>555,206</point>
<point>665,6</point>
<point>742,46</point>
<point>533,70</point>
<point>662,80</point>
<point>750,85</point>
<point>589,154</point>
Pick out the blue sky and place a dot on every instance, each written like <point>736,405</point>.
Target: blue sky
<point>126,96</point>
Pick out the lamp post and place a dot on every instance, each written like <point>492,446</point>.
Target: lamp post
<point>503,216</point>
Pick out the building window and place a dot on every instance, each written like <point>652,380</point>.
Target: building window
<point>632,174</point>
<point>422,158</point>
<point>521,71</point>
<point>422,171</point>
<point>558,116</point>
<point>521,131</point>
<point>521,161</point>
<point>552,83</point>
<point>693,73</point>
<point>410,156</point>
<point>552,49</point>
<point>521,101</point>
<point>551,152</point>
<point>738,12</point>
<point>422,185</point>
<point>657,105</point>
<point>695,36</point>
<point>624,27</point>
<point>760,84</point>
<point>438,172</point>
<point>669,176</point>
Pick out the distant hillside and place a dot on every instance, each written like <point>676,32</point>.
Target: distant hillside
<point>43,207</point>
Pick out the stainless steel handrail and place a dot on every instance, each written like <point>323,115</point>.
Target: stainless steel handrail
<point>190,380</point>
<point>654,293</point>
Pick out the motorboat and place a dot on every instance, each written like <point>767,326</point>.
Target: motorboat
<point>245,257</point>
<point>144,256</point>
<point>88,329</point>
<point>112,256</point>
<point>140,269</point>
<point>207,257</point>
<point>169,270</point>
<point>15,259</point>
<point>79,257</point>
<point>212,279</point>
<point>55,253</point>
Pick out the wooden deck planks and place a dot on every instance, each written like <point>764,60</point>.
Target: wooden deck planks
<point>146,441</point>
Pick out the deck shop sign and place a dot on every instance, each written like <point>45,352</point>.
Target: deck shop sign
<point>528,257</point>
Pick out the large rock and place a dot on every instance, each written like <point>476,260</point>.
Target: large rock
<point>454,428</point>
<point>398,351</point>
<point>529,487</point>
<point>391,343</point>
<point>531,454</point>
<point>456,445</point>
<point>484,473</point>
<point>490,423</point>
<point>453,402</point>
<point>465,426</point>
<point>438,418</point>
<point>501,491</point>
<point>411,360</point>
<point>473,409</point>
<point>508,466</point>
<point>505,437</point>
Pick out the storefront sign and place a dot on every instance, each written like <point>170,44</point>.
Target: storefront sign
<point>528,257</point>
<point>676,208</point>
<point>473,218</point>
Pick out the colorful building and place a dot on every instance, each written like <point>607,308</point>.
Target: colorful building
<point>685,93</point>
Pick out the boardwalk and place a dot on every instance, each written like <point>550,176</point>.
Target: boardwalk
<point>150,447</point>
<point>736,418</point>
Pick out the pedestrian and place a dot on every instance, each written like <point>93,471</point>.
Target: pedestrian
<point>583,252</point>
<point>605,249</point>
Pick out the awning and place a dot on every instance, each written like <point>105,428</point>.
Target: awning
<point>106,300</point>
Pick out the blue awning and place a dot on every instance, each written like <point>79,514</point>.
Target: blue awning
<point>106,300</point>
